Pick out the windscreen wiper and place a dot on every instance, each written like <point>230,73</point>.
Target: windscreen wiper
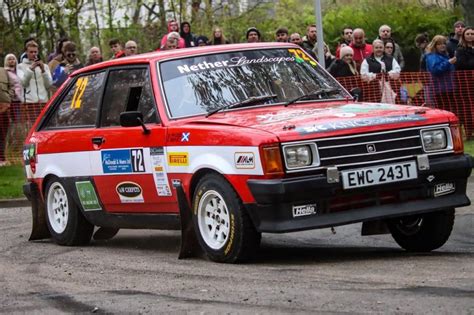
<point>249,101</point>
<point>314,94</point>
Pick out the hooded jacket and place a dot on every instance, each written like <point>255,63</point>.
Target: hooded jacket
<point>34,82</point>
<point>181,42</point>
<point>189,38</point>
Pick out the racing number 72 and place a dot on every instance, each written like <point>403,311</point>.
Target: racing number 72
<point>138,162</point>
<point>81,85</point>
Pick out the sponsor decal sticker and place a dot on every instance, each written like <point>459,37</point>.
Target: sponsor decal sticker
<point>237,61</point>
<point>355,123</point>
<point>87,196</point>
<point>157,157</point>
<point>244,160</point>
<point>129,192</point>
<point>178,158</point>
<point>123,161</point>
<point>444,189</point>
<point>28,153</point>
<point>304,210</point>
<point>185,136</point>
<point>301,57</point>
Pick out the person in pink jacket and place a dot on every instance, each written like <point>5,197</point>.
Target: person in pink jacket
<point>172,27</point>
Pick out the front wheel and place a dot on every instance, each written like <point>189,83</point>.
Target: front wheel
<point>422,233</point>
<point>223,227</point>
<point>65,221</point>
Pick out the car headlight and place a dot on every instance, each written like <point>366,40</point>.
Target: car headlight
<point>434,139</point>
<point>301,155</point>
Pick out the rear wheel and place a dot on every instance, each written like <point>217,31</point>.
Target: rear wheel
<point>423,233</point>
<point>65,221</point>
<point>223,227</point>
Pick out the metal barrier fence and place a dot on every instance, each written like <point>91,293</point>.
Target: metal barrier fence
<point>453,92</point>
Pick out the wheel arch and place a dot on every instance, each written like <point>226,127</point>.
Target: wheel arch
<point>197,177</point>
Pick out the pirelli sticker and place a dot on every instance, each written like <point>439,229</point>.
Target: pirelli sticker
<point>178,158</point>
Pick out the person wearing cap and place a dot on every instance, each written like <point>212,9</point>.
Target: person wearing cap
<point>202,40</point>
<point>253,35</point>
<point>282,35</point>
<point>454,38</point>
<point>345,66</point>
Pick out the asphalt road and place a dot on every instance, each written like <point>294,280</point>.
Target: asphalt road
<point>305,272</point>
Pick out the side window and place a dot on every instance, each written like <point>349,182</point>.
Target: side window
<point>128,90</point>
<point>79,106</point>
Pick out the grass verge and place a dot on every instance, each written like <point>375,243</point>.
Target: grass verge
<point>12,179</point>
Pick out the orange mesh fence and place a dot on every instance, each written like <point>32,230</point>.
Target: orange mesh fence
<point>454,92</point>
<point>14,126</point>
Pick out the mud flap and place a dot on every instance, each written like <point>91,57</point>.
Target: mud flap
<point>105,233</point>
<point>189,244</point>
<point>374,228</point>
<point>39,228</point>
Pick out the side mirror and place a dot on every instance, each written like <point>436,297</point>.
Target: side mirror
<point>356,93</point>
<point>133,119</point>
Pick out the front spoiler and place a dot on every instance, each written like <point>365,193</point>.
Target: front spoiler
<point>276,199</point>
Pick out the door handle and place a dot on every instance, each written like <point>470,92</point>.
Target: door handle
<point>98,140</point>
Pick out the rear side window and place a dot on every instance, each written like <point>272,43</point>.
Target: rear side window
<point>128,90</point>
<point>79,106</point>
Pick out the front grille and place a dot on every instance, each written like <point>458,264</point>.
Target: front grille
<point>370,148</point>
<point>374,148</point>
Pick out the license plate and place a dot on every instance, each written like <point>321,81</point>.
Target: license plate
<point>377,175</point>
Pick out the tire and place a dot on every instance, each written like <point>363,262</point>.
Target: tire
<point>66,223</point>
<point>223,226</point>
<point>422,233</point>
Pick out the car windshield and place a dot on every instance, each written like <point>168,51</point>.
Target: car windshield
<point>203,84</point>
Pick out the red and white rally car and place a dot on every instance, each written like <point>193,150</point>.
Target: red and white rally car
<point>227,142</point>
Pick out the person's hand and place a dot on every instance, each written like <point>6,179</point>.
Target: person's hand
<point>453,60</point>
<point>68,68</point>
<point>368,77</point>
<point>394,75</point>
<point>34,65</point>
<point>40,64</point>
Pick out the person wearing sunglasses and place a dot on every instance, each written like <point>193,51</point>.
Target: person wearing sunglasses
<point>69,64</point>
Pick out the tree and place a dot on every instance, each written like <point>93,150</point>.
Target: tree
<point>468,8</point>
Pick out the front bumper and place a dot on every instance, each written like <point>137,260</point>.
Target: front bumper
<point>276,199</point>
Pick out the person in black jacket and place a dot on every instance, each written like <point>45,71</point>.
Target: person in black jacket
<point>465,51</point>
<point>465,80</point>
<point>345,66</point>
<point>454,38</point>
<point>185,33</point>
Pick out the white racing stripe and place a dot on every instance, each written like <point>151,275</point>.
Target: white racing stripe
<point>231,160</point>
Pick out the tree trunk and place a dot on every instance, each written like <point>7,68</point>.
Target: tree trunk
<point>468,8</point>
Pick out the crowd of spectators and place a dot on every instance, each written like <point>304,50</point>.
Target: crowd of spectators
<point>32,80</point>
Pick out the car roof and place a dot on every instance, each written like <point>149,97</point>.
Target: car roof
<point>146,58</point>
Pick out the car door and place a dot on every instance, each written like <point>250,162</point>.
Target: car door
<point>66,132</point>
<point>131,162</point>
